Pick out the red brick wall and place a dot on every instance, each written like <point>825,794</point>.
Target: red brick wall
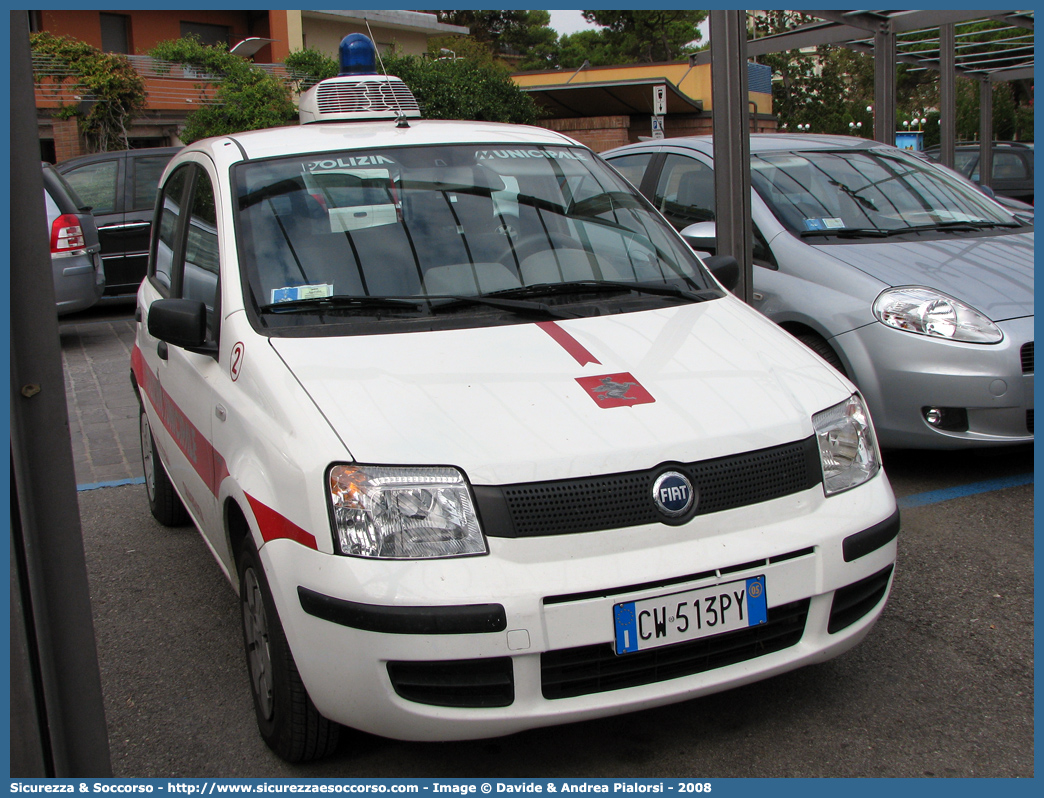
<point>602,133</point>
<point>67,141</point>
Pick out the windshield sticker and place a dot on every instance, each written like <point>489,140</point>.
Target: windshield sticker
<point>830,223</point>
<point>293,293</point>
<point>342,163</point>
<point>615,390</point>
<point>494,155</point>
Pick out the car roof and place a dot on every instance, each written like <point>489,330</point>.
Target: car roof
<point>105,156</point>
<point>336,136</point>
<point>763,143</point>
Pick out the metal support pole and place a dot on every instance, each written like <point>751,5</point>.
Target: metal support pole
<point>986,132</point>
<point>884,87</point>
<point>735,236</point>
<point>59,686</point>
<point>947,95</point>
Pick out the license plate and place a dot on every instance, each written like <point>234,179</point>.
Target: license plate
<point>678,617</point>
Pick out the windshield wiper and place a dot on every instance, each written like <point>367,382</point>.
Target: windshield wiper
<point>513,305</point>
<point>961,225</point>
<point>612,286</point>
<point>849,232</point>
<point>327,303</point>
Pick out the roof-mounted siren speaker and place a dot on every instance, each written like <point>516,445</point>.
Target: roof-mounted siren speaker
<point>358,93</point>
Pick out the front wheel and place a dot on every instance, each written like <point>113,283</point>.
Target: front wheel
<point>287,719</point>
<point>818,345</point>
<point>164,502</point>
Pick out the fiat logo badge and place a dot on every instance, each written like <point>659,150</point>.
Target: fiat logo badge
<point>673,494</point>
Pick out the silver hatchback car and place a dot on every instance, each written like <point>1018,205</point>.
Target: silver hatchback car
<point>76,265</point>
<point>915,285</point>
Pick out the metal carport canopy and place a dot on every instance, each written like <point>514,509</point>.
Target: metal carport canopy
<point>611,98</point>
<point>891,37</point>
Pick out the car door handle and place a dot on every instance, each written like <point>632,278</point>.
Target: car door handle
<point>219,411</point>
<point>161,350</point>
<point>127,226</point>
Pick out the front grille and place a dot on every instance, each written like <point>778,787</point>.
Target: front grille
<point>597,669</point>
<point>613,501</point>
<point>1027,358</point>
<point>853,602</point>
<point>455,683</point>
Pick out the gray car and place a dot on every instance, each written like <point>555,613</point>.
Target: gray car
<point>76,265</point>
<point>908,280</point>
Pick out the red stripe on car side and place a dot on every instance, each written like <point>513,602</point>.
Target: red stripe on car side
<point>205,459</point>
<point>568,343</point>
<point>274,526</point>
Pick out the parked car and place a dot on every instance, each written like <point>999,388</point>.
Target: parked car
<point>481,442</point>
<point>76,264</point>
<point>121,189</point>
<point>905,278</point>
<point>1012,166</point>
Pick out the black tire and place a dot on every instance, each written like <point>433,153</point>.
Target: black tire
<point>823,349</point>
<point>287,719</point>
<point>164,502</point>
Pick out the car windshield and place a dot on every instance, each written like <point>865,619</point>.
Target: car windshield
<point>867,190</point>
<point>345,231</point>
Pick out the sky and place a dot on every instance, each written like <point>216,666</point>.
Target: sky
<point>566,22</point>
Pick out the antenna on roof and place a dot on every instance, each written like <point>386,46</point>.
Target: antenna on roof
<point>401,121</point>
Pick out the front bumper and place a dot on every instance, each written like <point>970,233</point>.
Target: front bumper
<point>498,651</point>
<point>900,374</point>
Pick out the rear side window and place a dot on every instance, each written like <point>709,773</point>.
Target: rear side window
<point>147,172</point>
<point>96,184</point>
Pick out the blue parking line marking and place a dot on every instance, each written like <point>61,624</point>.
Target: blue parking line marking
<point>960,491</point>
<point>114,484</point>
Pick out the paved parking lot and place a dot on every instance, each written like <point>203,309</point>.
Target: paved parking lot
<point>943,686</point>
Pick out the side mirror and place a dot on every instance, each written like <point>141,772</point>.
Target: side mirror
<point>725,269</point>
<point>989,192</point>
<point>181,322</point>
<point>702,236</point>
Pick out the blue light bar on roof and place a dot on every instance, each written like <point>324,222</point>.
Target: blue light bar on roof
<point>358,55</point>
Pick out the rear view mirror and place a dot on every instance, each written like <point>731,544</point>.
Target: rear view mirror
<point>702,237</point>
<point>725,269</point>
<point>180,322</point>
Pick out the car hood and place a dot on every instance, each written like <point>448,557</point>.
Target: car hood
<point>993,274</point>
<point>520,403</point>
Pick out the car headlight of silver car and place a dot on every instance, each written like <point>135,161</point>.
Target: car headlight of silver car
<point>847,446</point>
<point>403,513</point>
<point>926,311</point>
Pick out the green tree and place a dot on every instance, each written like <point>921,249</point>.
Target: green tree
<point>462,88</point>
<point>649,36</point>
<point>115,89</point>
<point>245,96</point>
<point>524,37</point>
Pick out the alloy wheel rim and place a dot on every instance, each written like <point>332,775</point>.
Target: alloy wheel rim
<point>259,657</point>
<point>148,458</point>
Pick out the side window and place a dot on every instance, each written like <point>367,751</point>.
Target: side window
<point>200,278</point>
<point>165,243</point>
<point>632,167</point>
<point>965,162</point>
<point>147,173</point>
<point>96,184</point>
<point>685,191</point>
<point>1008,166</point>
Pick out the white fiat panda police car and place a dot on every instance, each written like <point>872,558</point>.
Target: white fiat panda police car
<point>480,441</point>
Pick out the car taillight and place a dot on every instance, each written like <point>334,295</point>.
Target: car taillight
<point>66,234</point>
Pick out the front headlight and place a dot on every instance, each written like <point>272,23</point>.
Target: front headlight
<point>926,311</point>
<point>402,513</point>
<point>847,447</point>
